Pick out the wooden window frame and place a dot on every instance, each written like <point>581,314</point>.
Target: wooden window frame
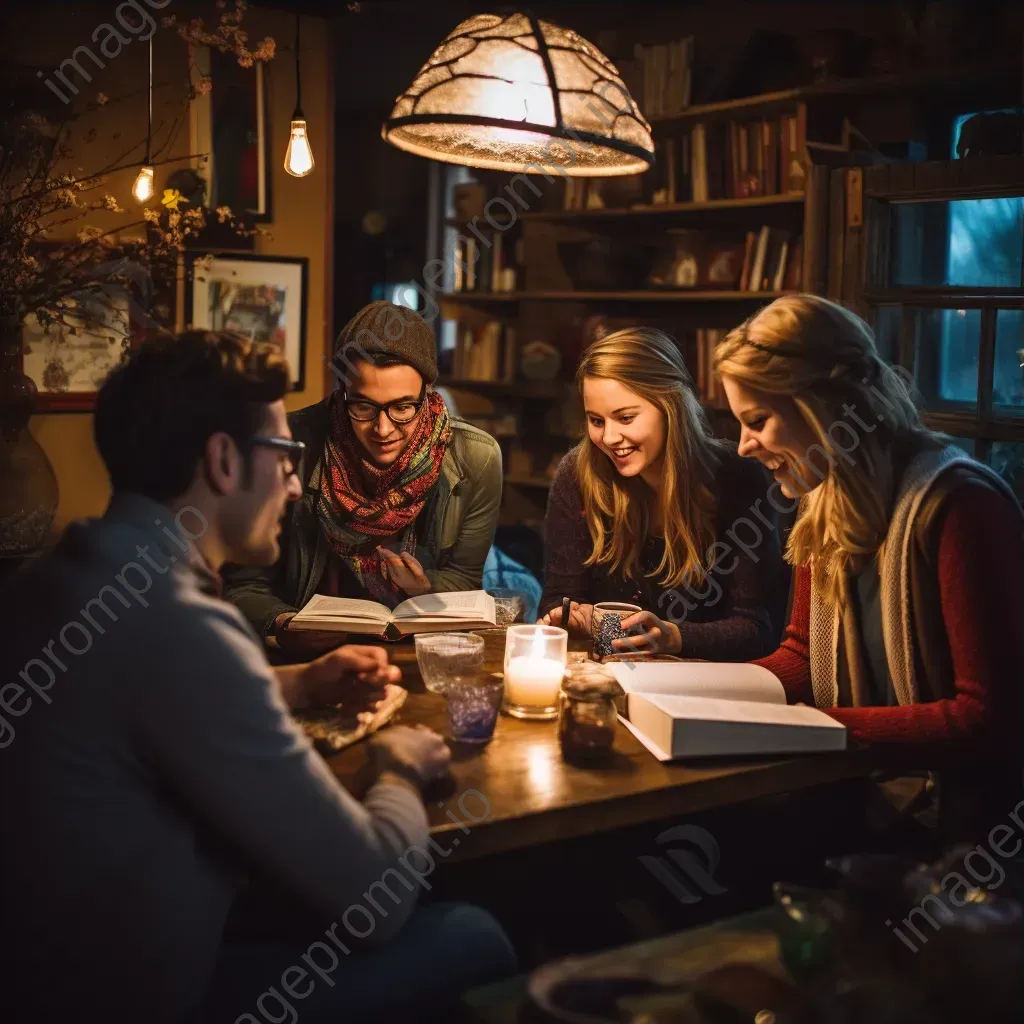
<point>862,199</point>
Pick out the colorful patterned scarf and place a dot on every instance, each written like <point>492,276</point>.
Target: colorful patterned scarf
<point>362,505</point>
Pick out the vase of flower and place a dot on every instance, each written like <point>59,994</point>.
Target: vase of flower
<point>28,484</point>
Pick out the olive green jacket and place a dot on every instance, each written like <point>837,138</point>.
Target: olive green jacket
<point>454,531</point>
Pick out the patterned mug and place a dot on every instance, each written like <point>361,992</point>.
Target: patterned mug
<point>606,626</point>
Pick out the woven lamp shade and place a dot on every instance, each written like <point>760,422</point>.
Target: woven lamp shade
<point>519,94</point>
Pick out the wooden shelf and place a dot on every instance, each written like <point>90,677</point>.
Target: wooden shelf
<point>500,223</point>
<point>679,211</point>
<point>660,209</point>
<point>899,84</point>
<point>665,295</point>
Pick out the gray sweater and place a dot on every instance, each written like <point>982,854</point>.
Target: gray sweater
<point>142,777</point>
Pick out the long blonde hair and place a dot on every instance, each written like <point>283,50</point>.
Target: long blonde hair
<point>618,509</point>
<point>824,357</point>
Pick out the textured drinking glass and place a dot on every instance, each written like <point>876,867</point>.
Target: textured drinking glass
<point>508,605</point>
<point>443,657</point>
<point>535,659</point>
<point>471,707</point>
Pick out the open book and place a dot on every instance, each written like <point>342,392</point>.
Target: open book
<point>429,613</point>
<point>706,709</point>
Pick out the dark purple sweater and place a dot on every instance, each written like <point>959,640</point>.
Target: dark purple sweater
<point>736,615</point>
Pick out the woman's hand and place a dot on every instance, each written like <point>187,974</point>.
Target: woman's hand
<point>657,637</point>
<point>580,618</point>
<point>404,571</point>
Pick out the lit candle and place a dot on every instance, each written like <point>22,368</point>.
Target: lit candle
<point>533,681</point>
<point>534,668</point>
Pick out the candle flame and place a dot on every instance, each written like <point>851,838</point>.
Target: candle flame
<point>538,644</point>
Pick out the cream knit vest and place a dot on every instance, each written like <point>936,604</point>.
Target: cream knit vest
<point>894,579</point>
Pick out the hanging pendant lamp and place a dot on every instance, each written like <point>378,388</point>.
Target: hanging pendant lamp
<point>298,158</point>
<point>142,189</point>
<point>515,93</point>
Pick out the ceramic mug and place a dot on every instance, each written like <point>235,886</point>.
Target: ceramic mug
<point>606,626</point>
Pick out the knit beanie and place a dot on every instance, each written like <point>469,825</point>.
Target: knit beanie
<point>382,327</point>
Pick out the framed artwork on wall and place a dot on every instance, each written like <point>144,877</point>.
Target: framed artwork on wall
<point>229,122</point>
<point>262,297</point>
<point>69,361</point>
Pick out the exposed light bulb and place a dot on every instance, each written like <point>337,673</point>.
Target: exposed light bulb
<point>143,187</point>
<point>298,160</point>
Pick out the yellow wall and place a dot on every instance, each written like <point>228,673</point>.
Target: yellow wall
<point>302,207</point>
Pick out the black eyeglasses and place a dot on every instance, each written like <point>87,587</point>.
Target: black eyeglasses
<point>364,411</point>
<point>293,451</point>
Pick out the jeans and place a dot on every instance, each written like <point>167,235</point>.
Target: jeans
<point>443,950</point>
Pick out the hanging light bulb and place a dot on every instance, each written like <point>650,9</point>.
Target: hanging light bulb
<point>298,160</point>
<point>142,190</point>
<point>143,187</point>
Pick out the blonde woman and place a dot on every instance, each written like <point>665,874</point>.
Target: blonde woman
<point>907,621</point>
<point>652,510</point>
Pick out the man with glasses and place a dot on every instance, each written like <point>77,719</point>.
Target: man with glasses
<point>153,763</point>
<point>398,497</point>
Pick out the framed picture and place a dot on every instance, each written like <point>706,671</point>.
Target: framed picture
<point>69,361</point>
<point>229,122</point>
<point>262,297</point>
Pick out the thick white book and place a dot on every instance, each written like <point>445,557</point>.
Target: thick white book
<point>712,709</point>
<point>428,613</point>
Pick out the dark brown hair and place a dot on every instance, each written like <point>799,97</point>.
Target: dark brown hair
<point>156,411</point>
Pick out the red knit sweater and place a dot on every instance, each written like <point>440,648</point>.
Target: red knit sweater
<point>981,587</point>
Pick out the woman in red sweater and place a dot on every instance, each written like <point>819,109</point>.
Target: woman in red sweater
<point>907,621</point>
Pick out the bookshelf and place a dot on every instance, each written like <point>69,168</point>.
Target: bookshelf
<point>585,256</point>
<point>740,207</point>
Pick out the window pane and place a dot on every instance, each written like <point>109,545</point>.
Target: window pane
<point>1008,462</point>
<point>887,322</point>
<point>968,242</point>
<point>1008,386</point>
<point>946,357</point>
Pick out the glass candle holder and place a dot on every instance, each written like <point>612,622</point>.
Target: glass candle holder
<point>534,667</point>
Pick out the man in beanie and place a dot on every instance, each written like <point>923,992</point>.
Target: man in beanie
<point>398,498</point>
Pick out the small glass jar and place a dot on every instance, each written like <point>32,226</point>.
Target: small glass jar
<point>587,714</point>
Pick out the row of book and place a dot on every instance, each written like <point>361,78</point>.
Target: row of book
<point>709,389</point>
<point>485,352</point>
<point>478,267</point>
<point>772,261</point>
<point>660,77</point>
<point>729,160</point>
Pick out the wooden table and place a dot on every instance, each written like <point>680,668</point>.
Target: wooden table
<point>524,793</point>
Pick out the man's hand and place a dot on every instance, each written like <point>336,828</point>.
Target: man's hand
<point>352,675</point>
<point>303,643</point>
<point>580,618</point>
<point>415,753</point>
<point>404,571</point>
<point>658,636</point>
